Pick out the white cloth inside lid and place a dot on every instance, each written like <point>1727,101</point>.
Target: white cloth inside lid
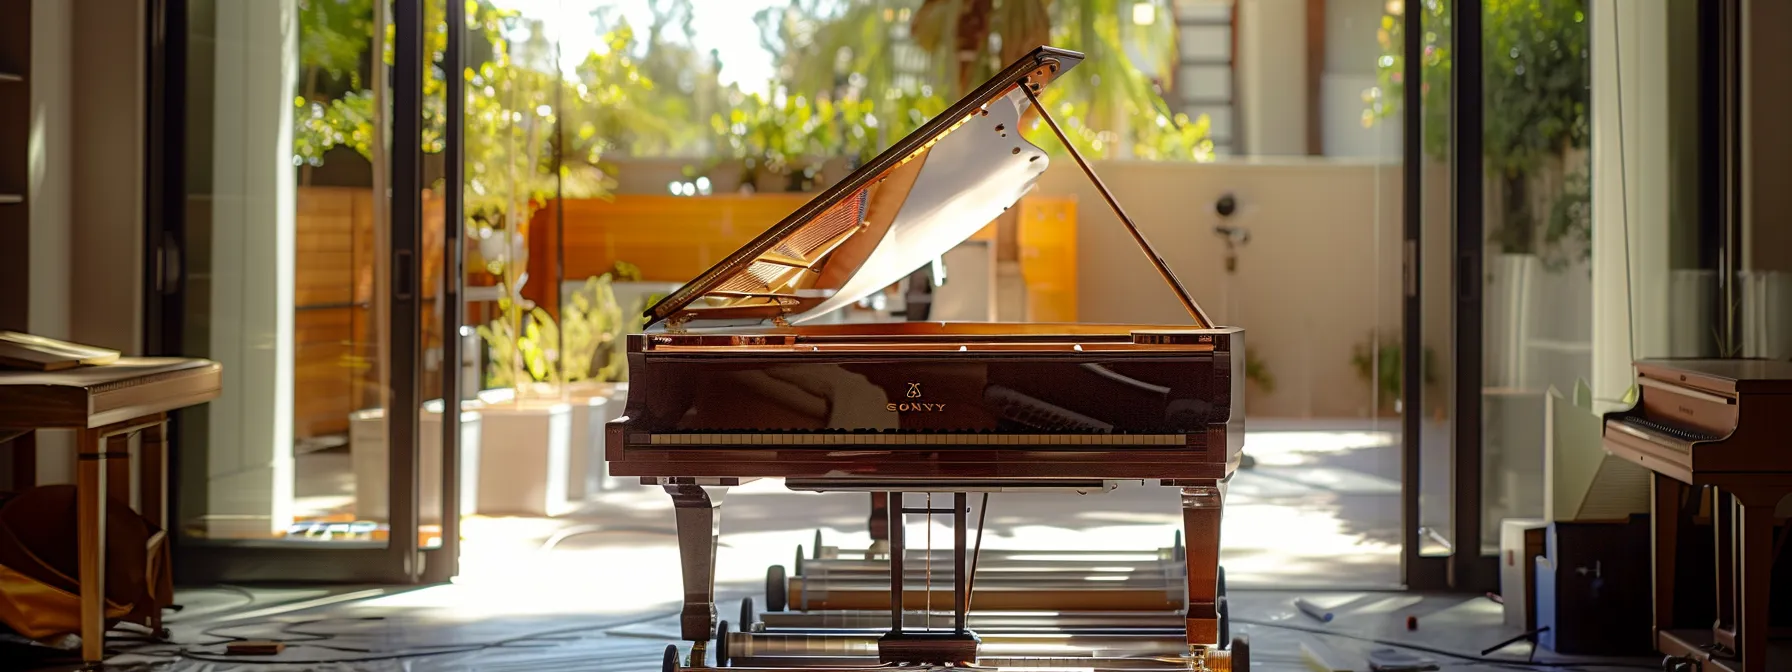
<point>970,176</point>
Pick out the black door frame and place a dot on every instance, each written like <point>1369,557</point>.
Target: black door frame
<point>1465,568</point>
<point>1718,194</point>
<point>399,560</point>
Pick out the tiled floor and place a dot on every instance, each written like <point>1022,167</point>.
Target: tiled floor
<point>595,591</point>
<point>437,629</point>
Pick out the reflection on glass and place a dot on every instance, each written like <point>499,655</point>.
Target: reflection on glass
<point>282,279</point>
<point>1538,298</point>
<point>1435,255</point>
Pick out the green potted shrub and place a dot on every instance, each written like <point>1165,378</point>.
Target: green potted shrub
<point>1379,362</point>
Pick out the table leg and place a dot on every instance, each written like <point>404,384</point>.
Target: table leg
<point>153,474</point>
<point>24,461</point>
<point>1754,550</point>
<point>118,467</point>
<point>90,509</point>
<point>152,488</point>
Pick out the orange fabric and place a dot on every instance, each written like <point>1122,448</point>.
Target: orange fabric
<point>39,560</point>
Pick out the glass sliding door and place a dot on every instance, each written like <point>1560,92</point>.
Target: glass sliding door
<point>309,286</point>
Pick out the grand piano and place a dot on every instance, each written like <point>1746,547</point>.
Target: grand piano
<point>1712,426</point>
<point>733,381</point>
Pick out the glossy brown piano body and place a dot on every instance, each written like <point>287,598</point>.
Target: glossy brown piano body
<point>932,400</point>
<point>1713,426</point>
<point>735,378</point>
<point>936,407</point>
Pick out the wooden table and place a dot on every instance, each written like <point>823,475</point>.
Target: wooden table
<point>106,406</point>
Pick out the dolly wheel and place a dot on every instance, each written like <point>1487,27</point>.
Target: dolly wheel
<point>747,616</point>
<point>721,644</point>
<point>775,587</point>
<point>670,662</point>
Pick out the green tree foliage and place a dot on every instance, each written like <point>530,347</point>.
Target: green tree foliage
<point>1536,88</point>
<point>899,62</point>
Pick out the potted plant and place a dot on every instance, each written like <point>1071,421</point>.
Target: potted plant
<point>1257,374</point>
<point>1379,362</point>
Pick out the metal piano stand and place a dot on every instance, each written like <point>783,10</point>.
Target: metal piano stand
<point>698,514</point>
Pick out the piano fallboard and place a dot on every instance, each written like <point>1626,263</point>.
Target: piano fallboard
<point>1697,417</point>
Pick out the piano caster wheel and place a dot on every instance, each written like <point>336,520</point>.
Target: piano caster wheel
<point>747,617</point>
<point>1225,621</point>
<point>880,549</point>
<point>1680,664</point>
<point>721,644</point>
<point>775,587</point>
<point>1245,461</point>
<point>1240,649</point>
<point>670,662</point>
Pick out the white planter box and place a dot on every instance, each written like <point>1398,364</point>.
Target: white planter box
<point>592,405</point>
<point>617,407</point>
<point>368,453</point>
<point>524,464</point>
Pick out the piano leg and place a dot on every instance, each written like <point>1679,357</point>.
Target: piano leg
<point>1723,527</point>
<point>698,510</point>
<point>880,521</point>
<point>1201,509</point>
<point>1754,551</point>
<point>1664,514</point>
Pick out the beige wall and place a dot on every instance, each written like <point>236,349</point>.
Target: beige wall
<point>1320,274</point>
<point>87,198</point>
<point>1272,77</point>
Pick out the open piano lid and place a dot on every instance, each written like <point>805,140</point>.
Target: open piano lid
<point>912,203</point>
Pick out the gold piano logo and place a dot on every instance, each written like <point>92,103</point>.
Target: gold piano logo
<point>914,392</point>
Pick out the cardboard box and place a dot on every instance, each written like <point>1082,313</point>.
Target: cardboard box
<point>1594,589</point>
<point>1521,542</point>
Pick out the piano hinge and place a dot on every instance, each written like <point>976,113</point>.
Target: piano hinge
<point>675,324</point>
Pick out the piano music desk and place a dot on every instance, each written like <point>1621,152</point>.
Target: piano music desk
<point>106,406</point>
<point>1715,424</point>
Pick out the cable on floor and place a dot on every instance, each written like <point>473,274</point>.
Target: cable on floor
<point>311,639</point>
<point>1466,657</point>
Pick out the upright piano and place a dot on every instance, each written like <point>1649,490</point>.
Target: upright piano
<point>733,381</point>
<point>1712,425</point>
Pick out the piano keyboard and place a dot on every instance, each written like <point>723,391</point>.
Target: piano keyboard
<point>1681,433</point>
<point>907,439</point>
